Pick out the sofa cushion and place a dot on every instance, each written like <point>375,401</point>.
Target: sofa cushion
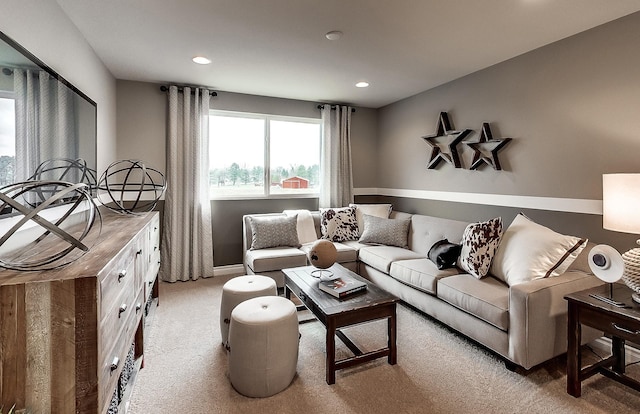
<point>274,231</point>
<point>381,257</point>
<point>338,224</point>
<point>421,274</point>
<point>531,251</point>
<point>486,298</point>
<point>444,254</point>
<point>479,244</point>
<point>275,258</point>
<point>345,253</point>
<point>390,232</point>
<point>377,210</point>
<point>426,230</point>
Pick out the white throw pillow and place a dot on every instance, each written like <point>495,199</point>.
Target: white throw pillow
<point>376,210</point>
<point>531,251</point>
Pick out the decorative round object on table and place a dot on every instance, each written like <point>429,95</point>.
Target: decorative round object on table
<point>322,255</point>
<point>606,263</point>
<point>130,187</point>
<point>35,239</point>
<point>631,275</point>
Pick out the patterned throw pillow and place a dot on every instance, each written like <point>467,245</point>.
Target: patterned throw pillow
<point>338,224</point>
<point>389,232</point>
<point>479,244</point>
<point>274,231</point>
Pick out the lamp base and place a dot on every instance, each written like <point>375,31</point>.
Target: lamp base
<point>631,275</point>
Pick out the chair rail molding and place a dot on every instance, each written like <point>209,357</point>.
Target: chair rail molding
<point>571,205</point>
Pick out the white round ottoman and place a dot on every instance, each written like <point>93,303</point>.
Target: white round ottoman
<point>238,290</point>
<point>263,339</point>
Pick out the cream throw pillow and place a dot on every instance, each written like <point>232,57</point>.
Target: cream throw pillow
<point>531,251</point>
<point>376,210</point>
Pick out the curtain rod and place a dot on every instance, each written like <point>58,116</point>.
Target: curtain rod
<point>320,106</point>
<point>165,88</point>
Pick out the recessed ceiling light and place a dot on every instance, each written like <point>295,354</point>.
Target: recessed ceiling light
<point>334,35</point>
<point>362,84</point>
<point>201,60</point>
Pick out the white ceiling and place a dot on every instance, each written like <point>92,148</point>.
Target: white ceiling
<point>278,48</point>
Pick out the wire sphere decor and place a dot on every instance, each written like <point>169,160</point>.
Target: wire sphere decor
<point>49,234</point>
<point>130,187</point>
<point>66,169</point>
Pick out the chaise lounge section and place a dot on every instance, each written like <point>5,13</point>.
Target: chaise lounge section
<point>525,322</point>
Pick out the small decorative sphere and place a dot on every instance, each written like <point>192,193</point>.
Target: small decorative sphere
<point>130,187</point>
<point>323,254</point>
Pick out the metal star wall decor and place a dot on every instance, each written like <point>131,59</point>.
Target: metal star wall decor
<point>485,151</point>
<point>452,138</point>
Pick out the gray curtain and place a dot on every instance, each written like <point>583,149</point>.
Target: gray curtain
<point>336,185</point>
<point>187,244</point>
<point>45,121</point>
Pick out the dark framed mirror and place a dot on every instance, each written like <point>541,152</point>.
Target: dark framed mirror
<point>45,121</point>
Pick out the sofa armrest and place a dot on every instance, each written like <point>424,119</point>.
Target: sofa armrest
<point>538,316</point>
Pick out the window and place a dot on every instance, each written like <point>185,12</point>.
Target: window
<point>262,155</point>
<point>7,138</point>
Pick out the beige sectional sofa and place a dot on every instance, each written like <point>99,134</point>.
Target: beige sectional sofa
<point>525,323</point>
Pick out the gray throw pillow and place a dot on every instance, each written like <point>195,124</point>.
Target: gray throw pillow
<point>274,231</point>
<point>390,232</point>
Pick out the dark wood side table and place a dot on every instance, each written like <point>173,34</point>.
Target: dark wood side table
<point>623,324</point>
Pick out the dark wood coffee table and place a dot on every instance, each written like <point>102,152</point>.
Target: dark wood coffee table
<point>371,304</point>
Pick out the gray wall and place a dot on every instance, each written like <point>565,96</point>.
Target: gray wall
<point>570,107</point>
<point>141,111</point>
<point>43,28</point>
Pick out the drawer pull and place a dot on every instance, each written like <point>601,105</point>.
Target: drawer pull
<point>138,307</point>
<point>625,330</point>
<point>122,309</point>
<point>155,248</point>
<point>122,274</point>
<point>115,363</point>
<point>139,252</point>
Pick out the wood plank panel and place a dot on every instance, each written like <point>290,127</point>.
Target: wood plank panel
<point>63,355</point>
<point>38,346</point>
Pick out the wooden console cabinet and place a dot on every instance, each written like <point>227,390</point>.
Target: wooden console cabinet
<point>65,333</point>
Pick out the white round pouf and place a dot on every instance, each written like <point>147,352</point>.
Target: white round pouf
<point>238,290</point>
<point>263,339</point>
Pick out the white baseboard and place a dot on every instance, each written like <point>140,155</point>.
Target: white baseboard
<point>603,344</point>
<point>229,270</point>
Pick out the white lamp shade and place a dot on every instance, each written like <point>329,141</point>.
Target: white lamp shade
<point>621,202</point>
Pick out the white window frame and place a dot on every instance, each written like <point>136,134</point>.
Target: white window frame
<point>267,151</point>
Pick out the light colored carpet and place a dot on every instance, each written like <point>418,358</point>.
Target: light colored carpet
<point>438,371</point>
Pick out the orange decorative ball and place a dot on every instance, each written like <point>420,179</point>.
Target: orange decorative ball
<point>323,254</point>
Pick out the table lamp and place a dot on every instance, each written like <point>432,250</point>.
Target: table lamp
<point>621,212</point>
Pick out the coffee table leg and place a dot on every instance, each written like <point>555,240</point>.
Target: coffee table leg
<point>331,351</point>
<point>391,328</point>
